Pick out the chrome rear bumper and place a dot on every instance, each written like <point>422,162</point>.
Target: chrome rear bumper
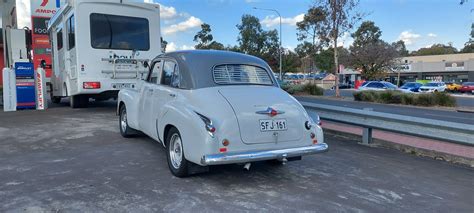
<point>245,157</point>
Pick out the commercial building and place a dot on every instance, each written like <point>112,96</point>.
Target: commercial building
<point>447,68</point>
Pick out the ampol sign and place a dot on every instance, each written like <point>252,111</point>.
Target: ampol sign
<point>41,12</point>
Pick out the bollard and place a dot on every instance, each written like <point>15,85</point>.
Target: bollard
<point>40,85</point>
<point>367,136</point>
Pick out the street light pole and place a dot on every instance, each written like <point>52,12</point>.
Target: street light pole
<point>280,49</point>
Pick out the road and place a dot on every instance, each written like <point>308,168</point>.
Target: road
<point>68,160</point>
<point>462,100</point>
<point>422,112</point>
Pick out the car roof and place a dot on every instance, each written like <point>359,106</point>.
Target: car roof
<point>196,66</point>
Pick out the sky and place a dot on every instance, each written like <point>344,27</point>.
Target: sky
<point>420,23</point>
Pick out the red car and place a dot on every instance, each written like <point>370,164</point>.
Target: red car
<point>467,87</point>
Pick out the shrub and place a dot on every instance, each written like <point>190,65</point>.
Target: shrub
<point>425,100</point>
<point>310,89</point>
<point>444,99</point>
<point>313,89</point>
<point>396,97</point>
<point>407,99</point>
<point>369,96</point>
<point>294,89</point>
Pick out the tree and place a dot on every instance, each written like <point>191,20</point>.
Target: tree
<point>341,15</point>
<point>291,62</point>
<point>311,27</point>
<point>205,39</point>
<point>367,33</point>
<point>373,59</point>
<point>436,49</point>
<point>369,53</point>
<point>325,58</point>
<point>401,48</point>
<point>469,46</point>
<point>255,41</point>
<point>163,44</point>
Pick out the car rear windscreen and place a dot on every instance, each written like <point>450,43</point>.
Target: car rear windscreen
<point>119,32</point>
<point>241,74</point>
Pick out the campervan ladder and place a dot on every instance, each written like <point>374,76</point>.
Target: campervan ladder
<point>131,68</point>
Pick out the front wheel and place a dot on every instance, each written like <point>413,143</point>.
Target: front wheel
<point>125,130</point>
<point>177,163</point>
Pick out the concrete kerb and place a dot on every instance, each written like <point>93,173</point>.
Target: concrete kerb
<point>379,143</point>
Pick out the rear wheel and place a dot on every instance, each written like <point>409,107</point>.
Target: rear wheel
<point>79,101</point>
<point>177,163</point>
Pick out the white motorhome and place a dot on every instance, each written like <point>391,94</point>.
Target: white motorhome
<point>100,47</point>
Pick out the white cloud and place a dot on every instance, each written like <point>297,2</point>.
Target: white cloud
<point>174,47</point>
<point>271,21</point>
<point>252,1</point>
<point>167,12</point>
<point>345,40</point>
<point>191,23</point>
<point>24,14</point>
<point>408,37</point>
<point>432,35</point>
<point>170,47</point>
<point>186,47</point>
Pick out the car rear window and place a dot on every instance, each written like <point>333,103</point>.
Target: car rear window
<point>241,74</point>
<point>468,84</point>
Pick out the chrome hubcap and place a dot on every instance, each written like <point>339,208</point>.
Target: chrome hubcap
<point>123,121</point>
<point>176,151</point>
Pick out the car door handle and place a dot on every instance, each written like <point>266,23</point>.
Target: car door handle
<point>150,90</point>
<point>172,95</point>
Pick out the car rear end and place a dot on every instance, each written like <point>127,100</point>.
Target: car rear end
<point>266,124</point>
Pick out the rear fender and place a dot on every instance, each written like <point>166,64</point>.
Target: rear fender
<point>196,141</point>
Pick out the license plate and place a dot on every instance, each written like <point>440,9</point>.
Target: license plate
<point>123,86</point>
<point>273,125</point>
<point>124,67</point>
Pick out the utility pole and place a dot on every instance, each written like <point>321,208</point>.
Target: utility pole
<point>280,49</point>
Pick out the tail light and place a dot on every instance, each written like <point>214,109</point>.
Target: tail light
<point>91,85</point>
<point>207,124</point>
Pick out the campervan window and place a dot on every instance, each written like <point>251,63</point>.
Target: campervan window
<point>119,32</point>
<point>59,36</point>
<point>71,33</point>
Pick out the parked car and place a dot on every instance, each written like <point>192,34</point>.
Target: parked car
<point>377,85</point>
<point>467,87</point>
<point>433,87</point>
<point>453,87</point>
<point>411,87</point>
<point>217,107</point>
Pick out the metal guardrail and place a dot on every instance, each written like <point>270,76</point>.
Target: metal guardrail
<point>422,127</point>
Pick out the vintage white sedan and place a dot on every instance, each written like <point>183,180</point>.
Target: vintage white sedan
<point>217,107</point>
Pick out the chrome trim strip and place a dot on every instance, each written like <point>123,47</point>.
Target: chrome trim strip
<point>269,110</point>
<point>245,157</point>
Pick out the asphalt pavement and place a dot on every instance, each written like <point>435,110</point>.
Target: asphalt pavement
<point>422,112</point>
<point>74,160</point>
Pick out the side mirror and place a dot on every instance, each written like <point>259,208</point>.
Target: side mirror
<point>146,64</point>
